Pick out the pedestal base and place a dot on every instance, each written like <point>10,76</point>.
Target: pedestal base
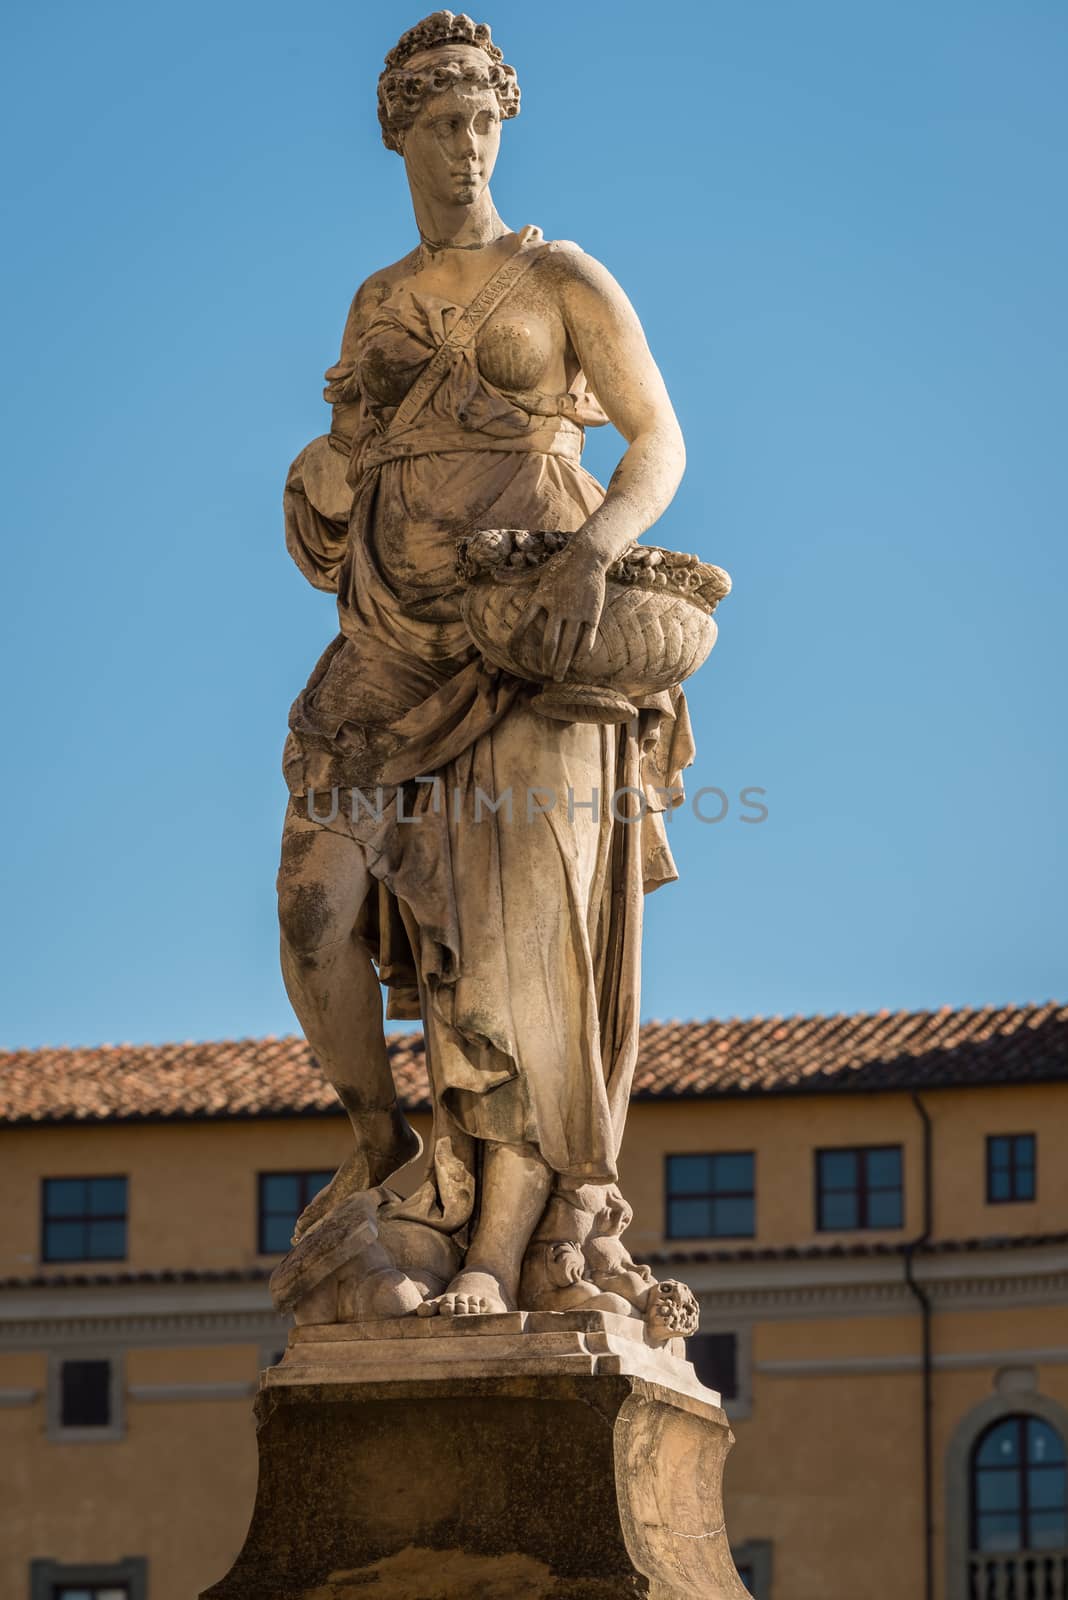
<point>533,1456</point>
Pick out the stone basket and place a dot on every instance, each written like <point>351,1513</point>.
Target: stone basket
<point>656,629</point>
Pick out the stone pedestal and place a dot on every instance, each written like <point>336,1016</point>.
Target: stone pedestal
<point>531,1456</point>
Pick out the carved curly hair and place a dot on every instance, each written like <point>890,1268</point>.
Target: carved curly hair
<point>401,91</point>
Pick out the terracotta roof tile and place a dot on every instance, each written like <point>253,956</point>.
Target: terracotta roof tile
<point>677,1060</point>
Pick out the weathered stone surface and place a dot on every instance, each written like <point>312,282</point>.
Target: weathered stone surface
<point>499,729</point>
<point>541,1472</point>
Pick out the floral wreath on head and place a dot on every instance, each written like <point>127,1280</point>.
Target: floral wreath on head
<point>401,91</point>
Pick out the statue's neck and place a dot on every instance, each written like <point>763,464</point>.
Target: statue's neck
<point>458,226</point>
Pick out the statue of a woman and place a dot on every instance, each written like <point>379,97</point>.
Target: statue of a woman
<point>468,373</point>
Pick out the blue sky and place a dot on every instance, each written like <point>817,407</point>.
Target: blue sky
<point>843,227</point>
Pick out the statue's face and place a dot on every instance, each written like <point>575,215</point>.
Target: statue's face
<point>451,148</point>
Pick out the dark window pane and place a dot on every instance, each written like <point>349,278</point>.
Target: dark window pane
<point>746,1575</point>
<point>1025,1183</point>
<point>1046,1488</point>
<point>838,1169</point>
<point>1000,1152</point>
<point>65,1197</point>
<point>316,1181</point>
<point>838,1211</point>
<point>999,1532</point>
<point>1049,1530</point>
<point>884,1169</point>
<point>715,1360</point>
<point>732,1219</point>
<point>1024,1149</point>
<point>884,1209</point>
<point>106,1241</point>
<point>690,1219</point>
<point>1000,1185</point>
<point>998,1490</point>
<point>64,1241</point>
<point>1045,1447</point>
<point>689,1175</point>
<point>733,1172</point>
<point>107,1197</point>
<point>1000,1447</point>
<point>277,1234</point>
<point>281,1192</point>
<point>85,1394</point>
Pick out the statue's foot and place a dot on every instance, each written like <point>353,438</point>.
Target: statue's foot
<point>470,1294</point>
<point>390,1143</point>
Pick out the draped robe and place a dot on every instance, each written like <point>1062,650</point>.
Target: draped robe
<point>517,940</point>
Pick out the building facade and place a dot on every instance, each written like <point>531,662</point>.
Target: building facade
<point>873,1212</point>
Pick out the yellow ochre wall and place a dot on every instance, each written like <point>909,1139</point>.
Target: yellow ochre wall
<point>199,1211</point>
<point>784,1131</point>
<point>192,1190</point>
<point>177,1487</point>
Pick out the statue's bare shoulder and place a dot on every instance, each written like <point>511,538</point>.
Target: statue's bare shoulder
<point>371,294</point>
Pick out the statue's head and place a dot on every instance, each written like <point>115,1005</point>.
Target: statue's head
<point>441,100</point>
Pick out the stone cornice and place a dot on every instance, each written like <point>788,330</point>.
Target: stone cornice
<point>222,1310</point>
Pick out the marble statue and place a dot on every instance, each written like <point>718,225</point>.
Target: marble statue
<point>483,1393</point>
<point>481,761</point>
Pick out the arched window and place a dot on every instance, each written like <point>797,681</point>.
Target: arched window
<point>1019,1492</point>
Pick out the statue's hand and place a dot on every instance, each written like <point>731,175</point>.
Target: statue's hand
<point>569,600</point>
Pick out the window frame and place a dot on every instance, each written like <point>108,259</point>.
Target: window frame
<point>756,1554</point>
<point>85,1218</point>
<point>115,1428</point>
<point>709,1196</point>
<point>301,1174</point>
<point>1012,1199</point>
<point>1022,1468</point>
<point>1007,1401</point>
<point>863,1189</point>
<point>47,1575</point>
<point>740,1407</point>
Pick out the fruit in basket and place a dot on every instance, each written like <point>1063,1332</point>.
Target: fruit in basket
<point>656,629</point>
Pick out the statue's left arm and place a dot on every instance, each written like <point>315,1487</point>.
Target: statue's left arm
<point>612,351</point>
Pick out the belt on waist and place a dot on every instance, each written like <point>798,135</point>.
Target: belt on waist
<point>432,441</point>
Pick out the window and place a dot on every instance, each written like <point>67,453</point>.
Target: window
<point>711,1196</point>
<point>1010,1167</point>
<point>1018,1487</point>
<point>715,1360</point>
<point>85,1397</point>
<point>753,1562</point>
<point>83,1219</point>
<point>85,1394</point>
<point>283,1196</point>
<point>124,1580</point>
<point>859,1188</point>
<point>96,1591</point>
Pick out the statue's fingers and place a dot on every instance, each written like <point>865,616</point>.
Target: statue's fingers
<point>588,639</point>
<point>550,645</point>
<point>570,635</point>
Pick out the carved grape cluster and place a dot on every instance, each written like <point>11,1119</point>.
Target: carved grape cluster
<point>401,91</point>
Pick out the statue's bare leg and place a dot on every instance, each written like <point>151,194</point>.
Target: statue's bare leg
<point>323,882</point>
<point>515,1187</point>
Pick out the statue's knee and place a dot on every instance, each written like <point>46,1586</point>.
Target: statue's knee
<point>306,917</point>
